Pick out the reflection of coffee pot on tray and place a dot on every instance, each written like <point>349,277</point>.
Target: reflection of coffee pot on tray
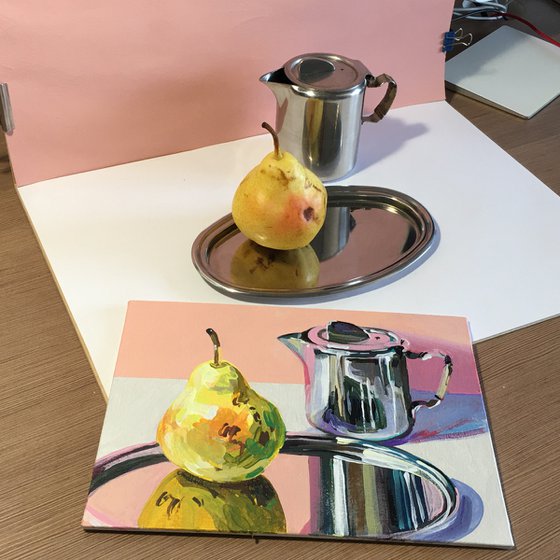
<point>356,380</point>
<point>371,500</point>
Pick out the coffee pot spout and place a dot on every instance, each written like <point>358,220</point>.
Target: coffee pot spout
<point>278,83</point>
<point>295,342</point>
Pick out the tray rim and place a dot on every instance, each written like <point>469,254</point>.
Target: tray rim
<point>350,195</point>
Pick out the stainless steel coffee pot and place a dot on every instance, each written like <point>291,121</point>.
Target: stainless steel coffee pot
<point>356,380</point>
<point>319,110</point>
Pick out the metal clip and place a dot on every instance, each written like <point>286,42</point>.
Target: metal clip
<point>453,38</point>
<point>6,116</point>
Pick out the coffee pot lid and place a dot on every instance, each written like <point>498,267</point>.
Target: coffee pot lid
<point>339,335</point>
<point>329,72</point>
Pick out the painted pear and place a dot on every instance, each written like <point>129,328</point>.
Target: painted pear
<point>280,204</point>
<point>254,266</point>
<point>184,502</point>
<point>218,428</point>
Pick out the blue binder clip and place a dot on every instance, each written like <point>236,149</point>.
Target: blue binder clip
<point>453,38</point>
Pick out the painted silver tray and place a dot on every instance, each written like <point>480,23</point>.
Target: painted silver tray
<point>370,234</point>
<point>350,489</point>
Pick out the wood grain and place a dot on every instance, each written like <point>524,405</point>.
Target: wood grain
<point>51,408</point>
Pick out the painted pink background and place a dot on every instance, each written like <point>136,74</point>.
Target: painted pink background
<point>168,340</point>
<point>95,84</point>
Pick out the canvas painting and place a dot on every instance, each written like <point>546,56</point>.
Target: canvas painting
<point>310,422</point>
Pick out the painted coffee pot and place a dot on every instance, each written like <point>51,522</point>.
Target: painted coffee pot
<point>357,382</point>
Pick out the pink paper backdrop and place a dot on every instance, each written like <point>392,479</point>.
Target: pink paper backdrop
<point>95,84</point>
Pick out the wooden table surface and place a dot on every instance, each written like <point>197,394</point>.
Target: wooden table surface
<point>52,410</point>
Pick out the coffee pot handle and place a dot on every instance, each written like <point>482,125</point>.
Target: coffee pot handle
<point>445,376</point>
<point>385,104</point>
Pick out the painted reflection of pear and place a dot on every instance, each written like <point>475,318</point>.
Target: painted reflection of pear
<point>187,503</point>
<point>257,267</point>
<point>218,428</point>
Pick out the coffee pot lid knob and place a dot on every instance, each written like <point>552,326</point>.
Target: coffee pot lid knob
<point>340,335</point>
<point>345,333</point>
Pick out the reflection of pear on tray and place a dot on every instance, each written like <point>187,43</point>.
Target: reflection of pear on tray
<point>218,428</point>
<point>280,204</point>
<point>185,502</point>
<point>257,267</point>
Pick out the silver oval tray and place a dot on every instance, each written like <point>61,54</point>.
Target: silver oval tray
<point>370,233</point>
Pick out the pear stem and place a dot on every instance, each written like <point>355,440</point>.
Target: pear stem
<point>277,153</point>
<point>216,341</point>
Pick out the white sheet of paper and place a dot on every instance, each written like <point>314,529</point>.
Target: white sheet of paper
<point>508,69</point>
<point>125,232</point>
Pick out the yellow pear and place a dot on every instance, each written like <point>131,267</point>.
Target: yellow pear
<point>280,204</point>
<point>218,428</point>
<point>254,266</point>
